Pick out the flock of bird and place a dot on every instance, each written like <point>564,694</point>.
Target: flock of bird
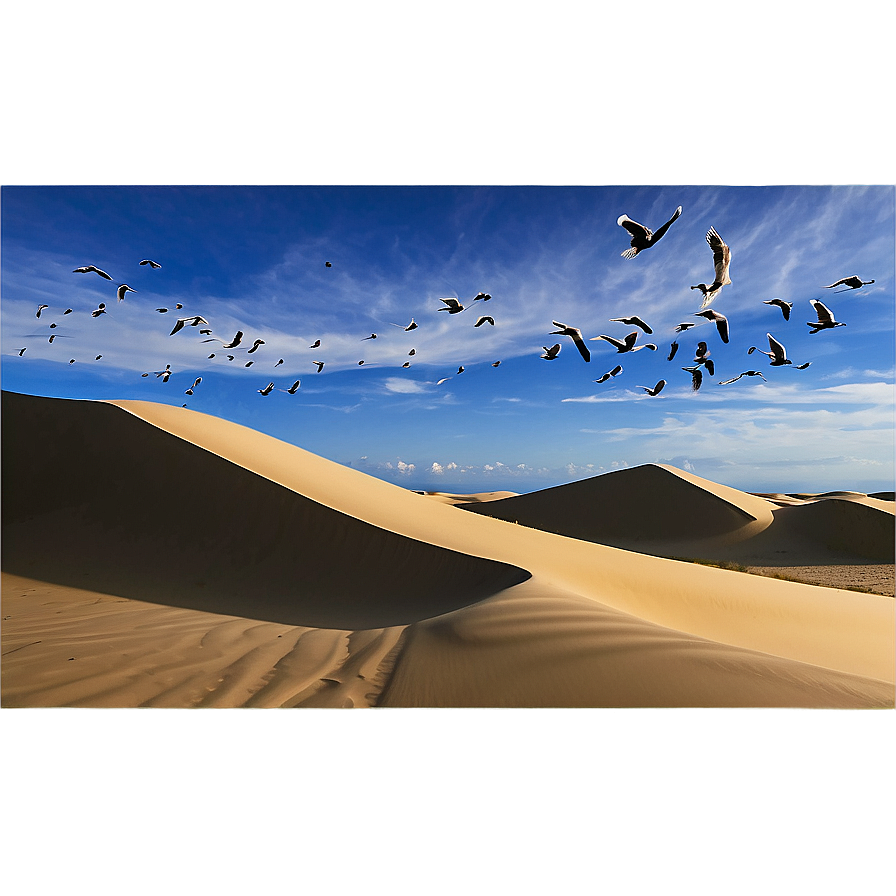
<point>642,238</point>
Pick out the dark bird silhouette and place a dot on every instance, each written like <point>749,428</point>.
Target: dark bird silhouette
<point>784,306</point>
<point>371,336</point>
<point>196,382</point>
<point>40,308</point>
<point>684,326</point>
<point>550,354</point>
<point>152,264</point>
<point>496,363</point>
<point>315,344</point>
<point>778,354</point>
<point>632,322</point>
<point>267,389</point>
<point>162,310</point>
<point>643,237</point>
<point>327,264</point>
<point>294,387</point>
<point>734,379</point>
<point>484,296</point>
<point>696,377</point>
<point>87,269</point>
<point>485,319</point>
<point>411,326</point>
<point>21,351</point>
<point>719,320</point>
<point>673,348</point>
<point>575,334</point>
<point>452,306</point>
<point>278,363</point>
<point>460,370</point>
<point>825,318</point>
<point>255,346</point>
<point>101,309</point>
<point>850,283</point>
<point>320,366</point>
<point>249,364</point>
<point>192,321</point>
<point>721,258</point>
<point>233,342</point>
<point>610,373</point>
<point>656,389</point>
<point>97,357</point>
<point>627,344</point>
<point>68,311</point>
<point>406,364</point>
<point>122,290</point>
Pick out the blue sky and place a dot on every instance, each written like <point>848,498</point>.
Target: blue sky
<point>253,258</point>
<point>384,96</point>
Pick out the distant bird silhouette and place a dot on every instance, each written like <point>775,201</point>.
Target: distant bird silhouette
<point>21,351</point>
<point>162,310</point>
<point>496,363</point>
<point>575,334</point>
<point>850,283</point>
<point>68,311</point>
<point>164,374</point>
<point>371,336</point>
<point>101,309</point>
<point>411,326</point>
<point>230,357</point>
<point>684,326</point>
<point>152,264</point>
<point>734,379</point>
<point>50,340</point>
<point>610,373</point>
<point>696,377</point>
<point>40,308</point>
<point>452,306</point>
<point>315,344</point>
<point>825,318</point>
<point>484,296</point>
<point>97,357</point>
<point>413,351</point>
<point>485,319</point>
<point>460,370</point>
<point>320,366</point>
<point>178,306</point>
<point>360,363</point>
<point>192,321</point>
<point>267,389</point>
<point>212,355</point>
<point>255,346</point>
<point>550,354</point>
<point>249,364</point>
<point>719,320</point>
<point>673,348</point>
<point>327,264</point>
<point>406,364</point>
<point>721,258</point>
<point>643,237</point>
<point>278,363</point>
<point>53,326</point>
<point>627,344</point>
<point>656,389</point>
<point>784,306</point>
<point>71,361</point>
<point>444,379</point>
<point>122,290</point>
<point>87,269</point>
<point>233,342</point>
<point>294,387</point>
<point>632,322</point>
<point>196,382</point>
<point>778,354</point>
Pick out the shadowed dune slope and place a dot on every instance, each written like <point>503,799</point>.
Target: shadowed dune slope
<point>644,508</point>
<point>94,497</point>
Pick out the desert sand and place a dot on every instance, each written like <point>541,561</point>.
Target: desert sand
<point>156,556</point>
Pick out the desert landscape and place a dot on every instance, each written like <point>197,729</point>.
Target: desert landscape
<point>156,556</point>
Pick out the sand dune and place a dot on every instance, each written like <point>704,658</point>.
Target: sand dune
<point>183,560</point>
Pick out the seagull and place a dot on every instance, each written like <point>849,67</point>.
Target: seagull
<point>233,342</point>
<point>411,326</point>
<point>164,374</point>
<point>452,306</point>
<point>684,326</point>
<point>614,372</point>
<point>576,335</point>
<point>721,257</point>
<point>40,308</point>
<point>21,351</point>
<point>627,344</point>
<point>87,269</point>
<point>784,306</point>
<point>122,290</point>
<point>178,306</point>
<point>192,321</point>
<point>778,354</point>
<point>632,322</point>
<point>196,382</point>
<point>278,363</point>
<point>643,237</point>
<point>371,336</point>
<point>485,319</point>
<point>696,377</point>
<point>320,366</point>
<point>460,370</point>
<point>68,311</point>
<point>825,318</point>
<point>101,309</point>
<point>267,389</point>
<point>315,344</point>
<point>550,354</point>
<point>152,264</point>
<point>292,389</point>
<point>850,283</point>
<point>230,357</point>
<point>255,346</point>
<point>656,389</point>
<point>673,348</point>
<point>745,373</point>
<point>719,320</point>
<point>482,295</point>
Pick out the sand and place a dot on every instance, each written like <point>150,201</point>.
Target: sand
<point>156,556</point>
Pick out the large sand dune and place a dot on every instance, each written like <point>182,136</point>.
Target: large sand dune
<point>153,555</point>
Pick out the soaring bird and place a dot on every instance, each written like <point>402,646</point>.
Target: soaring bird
<point>122,290</point>
<point>294,387</point>
<point>721,258</point>
<point>164,374</point>
<point>101,309</point>
<point>255,346</point>
<point>162,310</point>
<point>192,321</point>
<point>152,264</point>
<point>413,351</point>
<point>233,342</point>
<point>656,389</point>
<point>50,340</point>
<point>40,308</point>
<point>550,354</point>
<point>719,320</point>
<point>327,264</point>
<point>315,344</point>
<point>196,382</point>
<point>320,366</point>
<point>673,348</point>
<point>825,318</point>
<point>460,370</point>
<point>68,310</point>
<point>784,306</point>
<point>371,336</point>
<point>575,334</point>
<point>249,364</point>
<point>278,363</point>
<point>485,319</point>
<point>643,237</point>
<point>452,306</point>
<point>21,351</point>
<point>482,295</point>
<point>696,377</point>
<point>632,322</point>
<point>734,379</point>
<point>444,379</point>
<point>267,389</point>
<point>778,354</point>
<point>684,326</point>
<point>411,326</point>
<point>850,283</point>
<point>627,344</point>
<point>614,372</point>
<point>87,269</point>
<point>496,363</point>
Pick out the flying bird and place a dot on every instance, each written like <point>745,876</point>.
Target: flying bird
<point>50,340</point>
<point>97,357</point>
<point>68,311</point>
<point>850,283</point>
<point>643,237</point>
<point>192,321</point>
<point>452,306</point>
<point>673,348</point>
<point>656,389</point>
<point>496,363</point>
<point>406,364</point>
<point>40,308</point>
<point>71,361</point>
<point>719,320</point>
<point>53,326</point>
<point>152,264</point>
<point>485,319</point>
<point>320,366</point>
<point>721,258</point>
<point>249,364</point>
<point>460,370</point>
<point>122,290</point>
<point>627,344</point>
<point>196,382</point>
<point>292,389</point>
<point>411,326</point>
<point>315,344</point>
<point>778,354</point>
<point>696,377</point>
<point>482,295</point>
<point>87,269</point>
<point>550,354</point>
<point>413,351</point>
<point>745,373</point>
<point>206,332</point>
<point>632,322</point>
<point>784,306</point>
<point>444,379</point>
<point>162,310</point>
<point>371,336</point>
<point>267,389</point>
<point>212,355</point>
<point>614,372</point>
<point>101,309</point>
<point>255,346</point>
<point>825,318</point>
<point>233,342</point>
<point>684,326</point>
<point>278,363</point>
<point>21,351</point>
<point>327,264</point>
<point>576,334</point>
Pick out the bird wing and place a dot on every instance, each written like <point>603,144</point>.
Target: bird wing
<point>732,380</point>
<point>451,303</point>
<point>722,327</point>
<point>634,228</point>
<point>840,282</point>
<point>823,312</point>
<point>179,326</point>
<point>721,257</point>
<point>580,345</point>
<point>612,341</point>
<point>778,350</point>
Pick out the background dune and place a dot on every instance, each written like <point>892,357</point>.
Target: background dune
<point>153,555</point>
